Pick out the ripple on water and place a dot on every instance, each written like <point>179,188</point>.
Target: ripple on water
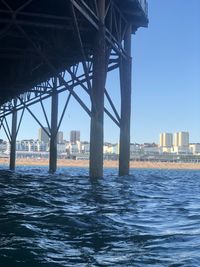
<point>150,218</point>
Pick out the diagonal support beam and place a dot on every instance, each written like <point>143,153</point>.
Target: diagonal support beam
<point>113,107</point>
<point>45,114</point>
<point>115,120</point>
<point>54,71</point>
<point>63,112</point>
<point>78,35</point>
<point>36,119</point>
<point>6,132</point>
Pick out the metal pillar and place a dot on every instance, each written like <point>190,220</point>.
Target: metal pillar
<point>125,82</point>
<point>13,140</point>
<point>97,97</point>
<point>53,131</point>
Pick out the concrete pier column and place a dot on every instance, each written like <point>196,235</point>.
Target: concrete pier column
<point>13,140</point>
<point>125,83</point>
<point>53,131</point>
<point>97,97</point>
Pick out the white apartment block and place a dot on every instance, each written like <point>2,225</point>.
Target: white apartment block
<point>176,140</point>
<point>75,148</point>
<point>166,140</point>
<point>61,148</point>
<point>111,148</point>
<point>165,143</point>
<point>194,149</point>
<point>135,148</point>
<point>181,143</point>
<point>150,149</point>
<point>31,146</point>
<point>181,139</point>
<point>85,148</point>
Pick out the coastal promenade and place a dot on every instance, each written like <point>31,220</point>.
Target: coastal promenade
<point>107,164</point>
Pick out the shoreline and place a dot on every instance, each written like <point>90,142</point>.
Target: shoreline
<point>107,164</point>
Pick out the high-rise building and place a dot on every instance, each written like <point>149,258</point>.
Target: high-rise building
<point>42,135</point>
<point>60,137</point>
<point>74,136</point>
<point>166,140</point>
<point>181,139</point>
<point>161,140</point>
<point>176,139</point>
<point>181,143</point>
<point>184,139</point>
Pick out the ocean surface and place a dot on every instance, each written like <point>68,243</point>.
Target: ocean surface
<point>150,218</point>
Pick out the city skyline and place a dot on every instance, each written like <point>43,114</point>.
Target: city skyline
<point>165,93</point>
<point>170,145</point>
<point>164,139</point>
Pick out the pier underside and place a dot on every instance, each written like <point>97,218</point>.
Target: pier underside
<point>47,47</point>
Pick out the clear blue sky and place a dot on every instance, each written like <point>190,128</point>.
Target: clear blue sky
<point>166,79</point>
<point>166,71</point>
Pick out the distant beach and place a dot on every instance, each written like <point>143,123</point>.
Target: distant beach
<point>107,163</point>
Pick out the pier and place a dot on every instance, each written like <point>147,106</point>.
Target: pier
<point>49,47</point>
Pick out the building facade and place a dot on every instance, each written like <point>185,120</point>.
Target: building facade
<point>60,138</point>
<point>195,148</point>
<point>166,140</point>
<point>42,135</point>
<point>181,139</point>
<point>74,137</point>
<point>181,143</point>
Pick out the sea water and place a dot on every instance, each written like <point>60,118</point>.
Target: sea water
<point>150,218</point>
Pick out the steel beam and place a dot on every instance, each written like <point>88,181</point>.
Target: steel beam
<point>13,140</point>
<point>125,82</point>
<point>97,97</point>
<point>53,131</point>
